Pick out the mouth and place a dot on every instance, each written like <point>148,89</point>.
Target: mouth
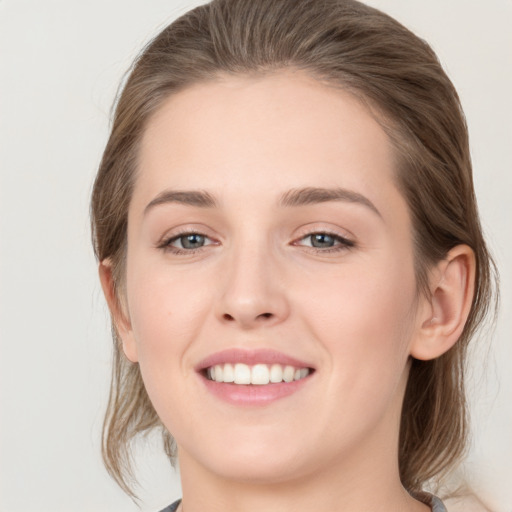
<point>253,377</point>
<point>259,374</point>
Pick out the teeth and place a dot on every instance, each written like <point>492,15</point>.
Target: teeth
<point>276,373</point>
<point>242,374</point>
<point>288,373</point>
<point>229,373</point>
<point>219,371</point>
<point>259,374</point>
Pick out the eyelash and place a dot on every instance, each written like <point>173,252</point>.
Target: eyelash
<point>166,246</point>
<point>343,243</point>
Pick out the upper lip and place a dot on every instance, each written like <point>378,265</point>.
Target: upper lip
<point>250,357</point>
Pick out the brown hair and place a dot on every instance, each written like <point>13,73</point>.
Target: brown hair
<point>362,50</point>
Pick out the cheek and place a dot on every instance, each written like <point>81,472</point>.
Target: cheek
<point>365,321</point>
<point>165,315</point>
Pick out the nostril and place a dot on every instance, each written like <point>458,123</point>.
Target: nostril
<point>231,318</point>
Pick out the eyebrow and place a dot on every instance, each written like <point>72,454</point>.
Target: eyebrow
<point>199,198</point>
<point>291,198</point>
<point>314,195</point>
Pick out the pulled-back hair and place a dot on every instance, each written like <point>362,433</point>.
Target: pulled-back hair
<point>359,49</point>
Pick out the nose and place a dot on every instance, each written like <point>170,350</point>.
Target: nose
<point>252,292</point>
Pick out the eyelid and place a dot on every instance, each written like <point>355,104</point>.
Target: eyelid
<point>313,228</point>
<point>340,238</point>
<point>184,229</point>
<point>344,240</point>
<point>168,238</point>
<point>184,235</point>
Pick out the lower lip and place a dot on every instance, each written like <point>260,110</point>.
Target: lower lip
<point>250,394</point>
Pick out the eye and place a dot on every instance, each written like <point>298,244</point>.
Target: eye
<point>189,241</point>
<point>186,243</point>
<point>322,240</point>
<point>325,242</point>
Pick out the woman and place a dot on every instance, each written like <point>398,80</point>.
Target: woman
<point>290,248</point>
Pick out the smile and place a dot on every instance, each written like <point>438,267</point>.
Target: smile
<point>258,374</point>
<point>257,377</point>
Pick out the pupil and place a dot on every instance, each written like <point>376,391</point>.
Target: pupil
<point>322,240</point>
<point>192,241</point>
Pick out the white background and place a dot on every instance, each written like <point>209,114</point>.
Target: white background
<point>60,63</point>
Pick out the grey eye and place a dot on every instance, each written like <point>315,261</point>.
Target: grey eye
<point>322,240</point>
<point>192,241</point>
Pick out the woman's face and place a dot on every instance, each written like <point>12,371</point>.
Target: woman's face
<point>267,239</point>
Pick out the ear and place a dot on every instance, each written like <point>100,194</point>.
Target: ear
<point>444,314</point>
<point>120,318</point>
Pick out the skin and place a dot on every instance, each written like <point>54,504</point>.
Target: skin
<point>351,311</point>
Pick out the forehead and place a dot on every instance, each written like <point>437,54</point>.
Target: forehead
<point>263,134</point>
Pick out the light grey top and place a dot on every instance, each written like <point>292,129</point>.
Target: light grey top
<point>429,499</point>
<point>436,504</point>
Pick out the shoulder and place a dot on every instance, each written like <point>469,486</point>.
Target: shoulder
<point>465,504</point>
<point>173,507</point>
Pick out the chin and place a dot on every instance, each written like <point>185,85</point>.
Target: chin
<point>254,458</point>
<point>260,469</point>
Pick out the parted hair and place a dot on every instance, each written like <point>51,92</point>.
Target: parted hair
<point>359,49</point>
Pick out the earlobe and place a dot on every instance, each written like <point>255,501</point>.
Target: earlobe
<point>119,316</point>
<point>445,314</point>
